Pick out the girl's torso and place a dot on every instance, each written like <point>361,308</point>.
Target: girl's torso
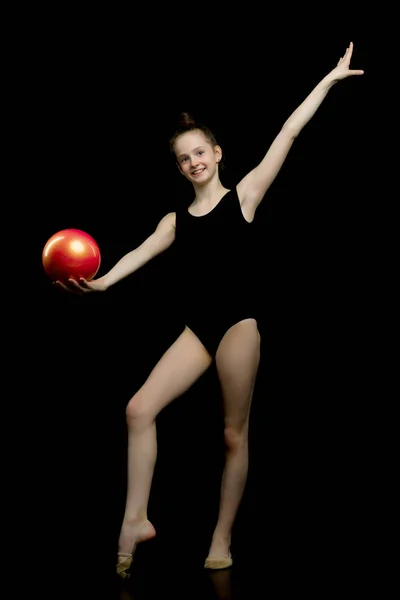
<point>214,250</point>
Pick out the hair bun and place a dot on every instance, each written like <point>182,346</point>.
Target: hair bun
<point>186,120</point>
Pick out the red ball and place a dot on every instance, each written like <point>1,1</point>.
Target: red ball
<point>71,253</point>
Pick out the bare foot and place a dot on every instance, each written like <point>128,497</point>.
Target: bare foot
<point>219,546</point>
<point>133,532</point>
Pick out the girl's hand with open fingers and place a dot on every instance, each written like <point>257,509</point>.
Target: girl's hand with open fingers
<point>82,286</point>
<point>342,69</point>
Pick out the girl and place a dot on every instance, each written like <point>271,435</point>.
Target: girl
<point>213,240</point>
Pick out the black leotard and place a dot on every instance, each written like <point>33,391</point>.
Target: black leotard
<point>215,255</point>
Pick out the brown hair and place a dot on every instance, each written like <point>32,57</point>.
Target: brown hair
<point>187,123</point>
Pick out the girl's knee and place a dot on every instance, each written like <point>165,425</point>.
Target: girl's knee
<point>235,437</point>
<point>136,413</point>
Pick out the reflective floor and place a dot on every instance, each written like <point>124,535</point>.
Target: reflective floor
<point>312,556</point>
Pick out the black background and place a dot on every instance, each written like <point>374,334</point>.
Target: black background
<point>102,101</point>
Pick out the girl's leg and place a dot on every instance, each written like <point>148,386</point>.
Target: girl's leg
<point>237,361</point>
<point>181,365</point>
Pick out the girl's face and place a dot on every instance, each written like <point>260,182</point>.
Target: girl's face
<point>197,159</point>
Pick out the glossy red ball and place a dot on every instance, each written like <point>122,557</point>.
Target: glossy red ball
<point>71,253</point>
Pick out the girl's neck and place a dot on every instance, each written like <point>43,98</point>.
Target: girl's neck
<point>209,194</point>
